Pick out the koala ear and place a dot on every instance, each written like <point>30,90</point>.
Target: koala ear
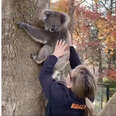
<point>44,14</point>
<point>65,19</point>
<point>47,13</point>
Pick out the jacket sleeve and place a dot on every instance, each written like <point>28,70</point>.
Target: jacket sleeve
<point>46,72</point>
<point>74,58</point>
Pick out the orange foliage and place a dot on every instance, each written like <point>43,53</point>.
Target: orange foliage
<point>106,25</point>
<point>61,5</point>
<point>107,32</point>
<point>111,73</point>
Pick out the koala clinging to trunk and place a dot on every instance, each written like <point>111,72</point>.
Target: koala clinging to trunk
<point>55,28</point>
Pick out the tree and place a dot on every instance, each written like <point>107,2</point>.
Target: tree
<point>109,109</point>
<point>95,33</point>
<point>22,94</point>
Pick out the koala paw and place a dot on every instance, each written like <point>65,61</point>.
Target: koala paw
<point>37,59</point>
<point>20,24</point>
<point>33,56</point>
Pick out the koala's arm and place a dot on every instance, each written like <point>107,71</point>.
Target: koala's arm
<point>74,58</point>
<point>37,34</point>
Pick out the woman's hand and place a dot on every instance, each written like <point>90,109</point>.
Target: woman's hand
<point>60,48</point>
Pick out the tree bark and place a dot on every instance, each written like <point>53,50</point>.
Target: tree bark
<point>22,94</point>
<point>110,108</point>
<point>71,14</point>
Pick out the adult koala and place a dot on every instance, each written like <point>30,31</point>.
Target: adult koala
<point>55,28</point>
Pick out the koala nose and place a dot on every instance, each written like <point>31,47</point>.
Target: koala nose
<point>53,28</point>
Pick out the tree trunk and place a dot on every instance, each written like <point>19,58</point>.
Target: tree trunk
<point>22,94</point>
<point>100,65</point>
<point>110,108</point>
<point>71,14</point>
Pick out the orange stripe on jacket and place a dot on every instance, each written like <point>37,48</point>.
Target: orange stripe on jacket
<point>77,106</point>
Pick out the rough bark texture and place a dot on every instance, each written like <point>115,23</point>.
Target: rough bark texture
<point>22,94</point>
<point>71,11</point>
<point>110,108</point>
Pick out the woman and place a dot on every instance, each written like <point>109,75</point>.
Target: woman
<point>72,99</point>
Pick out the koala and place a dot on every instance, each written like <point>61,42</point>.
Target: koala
<point>55,28</point>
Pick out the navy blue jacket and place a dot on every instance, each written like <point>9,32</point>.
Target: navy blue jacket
<point>60,98</point>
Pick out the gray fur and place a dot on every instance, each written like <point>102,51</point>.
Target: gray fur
<point>55,28</point>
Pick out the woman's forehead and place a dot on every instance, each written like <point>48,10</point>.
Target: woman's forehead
<point>78,68</point>
<point>73,71</point>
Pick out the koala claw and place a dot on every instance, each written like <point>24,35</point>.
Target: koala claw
<point>37,59</point>
<point>33,56</point>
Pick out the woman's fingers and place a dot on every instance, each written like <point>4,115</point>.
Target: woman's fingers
<point>60,44</point>
<point>57,43</point>
<point>63,43</point>
<point>60,48</point>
